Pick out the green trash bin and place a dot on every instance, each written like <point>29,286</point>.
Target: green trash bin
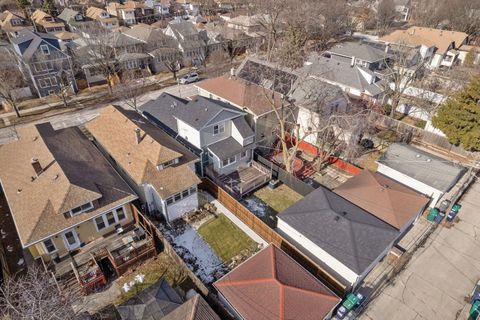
<point>432,214</point>
<point>475,310</point>
<point>456,207</point>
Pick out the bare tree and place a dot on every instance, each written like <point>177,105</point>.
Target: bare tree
<point>34,296</point>
<point>173,65</point>
<point>232,49</point>
<point>386,14</point>
<point>132,86</point>
<point>11,78</point>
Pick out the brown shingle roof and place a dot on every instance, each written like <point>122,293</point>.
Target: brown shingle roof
<point>271,285</point>
<point>74,173</point>
<point>242,93</point>
<point>195,308</point>
<point>416,36</point>
<point>386,199</point>
<point>115,129</point>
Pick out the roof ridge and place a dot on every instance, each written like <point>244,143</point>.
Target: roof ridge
<point>329,296</point>
<point>243,282</point>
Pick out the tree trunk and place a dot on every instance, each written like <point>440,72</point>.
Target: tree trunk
<point>15,108</point>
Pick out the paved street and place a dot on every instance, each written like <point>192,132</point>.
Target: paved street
<point>440,275</point>
<point>70,119</point>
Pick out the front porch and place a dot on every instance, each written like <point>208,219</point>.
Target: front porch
<point>102,259</point>
<point>243,180</point>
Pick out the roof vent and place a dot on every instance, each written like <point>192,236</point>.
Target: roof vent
<point>429,160</point>
<point>55,177</point>
<point>417,155</point>
<point>138,136</point>
<point>336,218</point>
<point>37,166</point>
<point>35,138</point>
<point>344,213</point>
<point>19,190</point>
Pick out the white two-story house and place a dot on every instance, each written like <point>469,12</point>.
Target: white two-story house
<point>216,129</point>
<point>157,167</point>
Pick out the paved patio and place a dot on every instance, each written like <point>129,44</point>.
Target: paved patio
<point>440,275</point>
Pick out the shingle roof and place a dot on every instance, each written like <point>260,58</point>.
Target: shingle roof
<point>198,112</point>
<point>271,285</point>
<point>314,94</point>
<point>34,39</point>
<point>342,73</point>
<point>243,127</point>
<point>149,34</point>
<point>114,129</point>
<point>359,50</point>
<point>348,233</point>
<point>422,166</point>
<point>226,148</point>
<point>243,94</point>
<point>195,308</point>
<point>153,303</point>
<point>441,39</point>
<point>383,197</point>
<point>74,173</point>
<point>68,14</point>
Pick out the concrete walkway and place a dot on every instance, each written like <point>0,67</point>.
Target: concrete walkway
<point>255,237</point>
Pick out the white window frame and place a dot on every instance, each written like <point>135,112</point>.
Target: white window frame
<point>244,154</point>
<point>115,216</point>
<point>220,128</point>
<point>96,223</point>
<point>53,244</point>
<point>45,49</point>
<point>88,204</point>
<point>189,191</point>
<point>229,161</point>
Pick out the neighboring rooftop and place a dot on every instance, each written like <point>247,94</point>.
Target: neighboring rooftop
<point>383,197</point>
<point>345,231</point>
<point>358,50</point>
<point>271,285</point>
<point>415,36</point>
<point>195,308</point>
<point>73,173</point>
<point>32,41</point>
<point>314,94</point>
<point>115,130</point>
<point>153,303</point>
<point>197,113</point>
<point>242,93</point>
<point>422,166</point>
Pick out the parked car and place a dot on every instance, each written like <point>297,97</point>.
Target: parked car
<point>189,78</point>
<point>451,215</point>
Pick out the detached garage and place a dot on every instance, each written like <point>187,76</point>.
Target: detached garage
<point>420,170</point>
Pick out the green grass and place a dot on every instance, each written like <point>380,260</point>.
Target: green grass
<point>160,267</point>
<point>225,238</point>
<point>278,199</point>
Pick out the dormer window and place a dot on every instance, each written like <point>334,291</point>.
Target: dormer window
<point>45,49</point>
<point>168,164</point>
<point>80,209</point>
<point>78,17</point>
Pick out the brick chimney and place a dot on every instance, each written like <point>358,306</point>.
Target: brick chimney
<point>138,136</point>
<point>37,166</point>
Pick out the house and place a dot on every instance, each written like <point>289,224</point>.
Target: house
<point>161,302</point>
<point>354,79</point>
<point>11,22</point>
<point>316,100</point>
<point>394,203</point>
<point>472,50</point>
<point>75,20</point>
<point>189,41</point>
<point>249,24</point>
<point>271,285</point>
<point>343,238</point>
<point>224,37</point>
<point>422,171</point>
<point>359,53</point>
<point>102,17</point>
<point>160,7</point>
<point>248,97</point>
<point>46,66</point>
<point>403,8</point>
<point>66,199</point>
<point>44,22</point>
<point>124,13</point>
<point>159,169</point>
<point>65,37</point>
<point>437,47</point>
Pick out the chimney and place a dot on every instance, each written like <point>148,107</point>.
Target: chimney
<point>353,62</point>
<point>232,73</point>
<point>138,135</point>
<point>387,47</point>
<point>413,31</point>
<point>37,166</point>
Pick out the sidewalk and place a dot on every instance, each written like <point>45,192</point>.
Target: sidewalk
<point>255,237</point>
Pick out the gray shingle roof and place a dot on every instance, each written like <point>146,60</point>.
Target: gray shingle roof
<point>243,127</point>
<point>348,233</point>
<point>341,73</point>
<point>195,308</point>
<point>34,39</point>
<point>422,166</point>
<point>314,94</point>
<point>153,303</point>
<point>359,50</point>
<point>198,112</point>
<point>226,148</point>
<point>67,15</point>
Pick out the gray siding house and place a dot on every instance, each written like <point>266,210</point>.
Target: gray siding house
<point>44,65</point>
<point>216,128</point>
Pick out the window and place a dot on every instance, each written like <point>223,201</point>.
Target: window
<point>181,195</point>
<point>49,246</point>
<point>228,161</point>
<point>82,208</point>
<point>184,193</point>
<point>218,128</point>
<point>169,163</point>
<point>110,218</point>
<point>244,154</point>
<point>177,197</point>
<point>193,189</point>
<point>120,214</point>
<point>45,49</point>
<point>169,201</point>
<point>100,223</point>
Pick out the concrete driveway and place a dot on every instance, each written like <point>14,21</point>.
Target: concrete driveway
<point>440,275</point>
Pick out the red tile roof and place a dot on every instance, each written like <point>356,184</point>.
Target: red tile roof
<point>271,285</point>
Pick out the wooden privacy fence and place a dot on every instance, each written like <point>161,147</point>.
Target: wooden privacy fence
<point>271,236</point>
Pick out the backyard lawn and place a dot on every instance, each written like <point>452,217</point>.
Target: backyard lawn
<point>225,238</point>
<point>278,199</point>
